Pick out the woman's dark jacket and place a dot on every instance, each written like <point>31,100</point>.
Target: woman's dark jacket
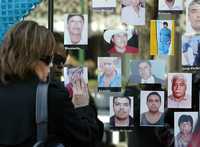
<point>75,127</point>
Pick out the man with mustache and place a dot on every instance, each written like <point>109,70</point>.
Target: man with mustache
<point>153,116</point>
<point>122,108</point>
<point>179,98</point>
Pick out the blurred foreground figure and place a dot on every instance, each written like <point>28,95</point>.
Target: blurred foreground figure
<point>27,54</point>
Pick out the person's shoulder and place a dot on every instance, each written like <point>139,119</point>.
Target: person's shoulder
<point>130,49</point>
<point>57,89</point>
<point>158,80</point>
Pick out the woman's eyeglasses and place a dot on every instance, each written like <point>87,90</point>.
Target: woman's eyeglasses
<point>56,60</point>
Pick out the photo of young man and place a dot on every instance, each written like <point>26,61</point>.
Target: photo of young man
<point>121,112</point>
<point>118,38</point>
<point>75,29</point>
<point>109,74</point>
<point>153,115</point>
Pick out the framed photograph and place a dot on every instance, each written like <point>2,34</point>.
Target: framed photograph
<point>132,16</point>
<point>184,123</point>
<point>165,36</point>
<point>121,112</point>
<point>192,13</point>
<point>146,72</point>
<point>75,30</point>
<point>109,72</point>
<point>152,108</point>
<point>179,90</point>
<point>72,74</point>
<point>121,41</point>
<point>170,5</point>
<point>191,50</point>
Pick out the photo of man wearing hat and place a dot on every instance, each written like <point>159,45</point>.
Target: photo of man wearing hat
<point>118,38</point>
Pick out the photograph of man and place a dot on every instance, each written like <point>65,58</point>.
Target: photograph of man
<point>118,38</point>
<point>191,50</point>
<point>141,72</point>
<point>134,13</point>
<point>152,114</point>
<point>75,29</point>
<point>183,124</point>
<point>192,16</point>
<point>103,4</point>
<point>121,111</point>
<point>170,5</point>
<point>179,90</point>
<point>109,74</point>
<point>164,37</point>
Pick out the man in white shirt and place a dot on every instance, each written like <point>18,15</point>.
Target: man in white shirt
<point>170,5</point>
<point>74,34</point>
<point>134,14</point>
<point>179,98</point>
<point>145,75</point>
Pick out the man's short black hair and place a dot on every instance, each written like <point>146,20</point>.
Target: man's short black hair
<point>185,118</point>
<point>72,15</point>
<point>153,93</point>
<point>127,97</point>
<point>165,23</point>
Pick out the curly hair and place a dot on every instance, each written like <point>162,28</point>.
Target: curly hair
<point>24,45</point>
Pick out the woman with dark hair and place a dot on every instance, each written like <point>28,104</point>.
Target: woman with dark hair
<point>26,57</point>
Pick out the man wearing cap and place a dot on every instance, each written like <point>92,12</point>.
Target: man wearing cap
<point>119,39</point>
<point>179,98</point>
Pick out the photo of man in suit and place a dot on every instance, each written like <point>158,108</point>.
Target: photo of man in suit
<point>145,74</point>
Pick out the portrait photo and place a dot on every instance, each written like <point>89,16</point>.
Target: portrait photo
<point>146,72</point>
<point>191,50</point>
<point>152,108</point>
<point>179,90</point>
<point>121,111</point>
<point>103,4</point>
<point>162,37</point>
<point>121,41</point>
<point>165,36</point>
<point>109,72</point>
<point>73,74</point>
<point>184,123</point>
<point>133,12</point>
<point>75,29</point>
<point>170,5</point>
<point>192,17</point>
